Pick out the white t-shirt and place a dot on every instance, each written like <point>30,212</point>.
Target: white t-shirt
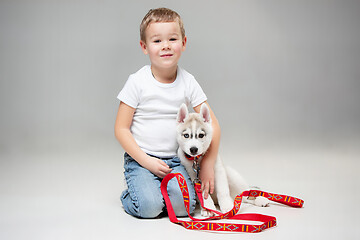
<point>157,104</point>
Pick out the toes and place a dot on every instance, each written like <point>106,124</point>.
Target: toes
<point>206,213</point>
<point>262,202</point>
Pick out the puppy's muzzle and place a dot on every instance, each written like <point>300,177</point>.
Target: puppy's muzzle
<point>194,150</point>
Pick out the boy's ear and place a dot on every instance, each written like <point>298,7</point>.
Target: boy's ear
<point>182,114</point>
<point>184,41</point>
<point>143,47</point>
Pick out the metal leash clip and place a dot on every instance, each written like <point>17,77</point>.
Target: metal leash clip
<point>196,169</point>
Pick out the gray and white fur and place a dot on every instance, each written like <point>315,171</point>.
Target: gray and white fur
<point>194,135</point>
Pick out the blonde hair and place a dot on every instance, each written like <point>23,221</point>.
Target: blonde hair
<point>160,15</point>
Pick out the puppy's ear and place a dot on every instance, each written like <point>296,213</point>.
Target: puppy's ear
<point>182,114</point>
<point>205,113</point>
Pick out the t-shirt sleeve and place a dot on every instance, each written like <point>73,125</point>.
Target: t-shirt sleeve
<point>197,95</point>
<point>130,93</point>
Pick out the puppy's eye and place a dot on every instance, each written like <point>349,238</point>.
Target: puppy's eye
<point>186,135</point>
<point>201,135</point>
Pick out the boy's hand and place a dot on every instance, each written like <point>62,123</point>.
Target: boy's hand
<point>157,167</point>
<point>207,180</point>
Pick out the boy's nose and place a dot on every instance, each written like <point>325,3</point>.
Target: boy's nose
<point>166,45</point>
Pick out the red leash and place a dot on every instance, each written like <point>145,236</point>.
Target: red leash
<point>199,224</point>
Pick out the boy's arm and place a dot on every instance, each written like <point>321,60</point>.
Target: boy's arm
<point>123,135</point>
<point>207,164</point>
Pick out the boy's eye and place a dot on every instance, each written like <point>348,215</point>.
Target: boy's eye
<point>156,41</point>
<point>173,39</point>
<point>186,135</point>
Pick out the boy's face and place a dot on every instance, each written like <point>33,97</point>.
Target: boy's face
<point>164,44</point>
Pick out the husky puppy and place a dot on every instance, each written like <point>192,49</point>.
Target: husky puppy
<point>194,135</point>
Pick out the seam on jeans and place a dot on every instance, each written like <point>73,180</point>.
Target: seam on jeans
<point>133,195</point>
<point>131,189</point>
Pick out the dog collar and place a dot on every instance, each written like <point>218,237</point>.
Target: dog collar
<point>191,158</point>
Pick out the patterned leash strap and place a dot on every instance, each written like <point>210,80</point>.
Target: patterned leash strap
<point>200,224</point>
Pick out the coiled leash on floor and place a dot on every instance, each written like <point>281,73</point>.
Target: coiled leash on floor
<point>199,224</point>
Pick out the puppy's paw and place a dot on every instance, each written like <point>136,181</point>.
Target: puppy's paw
<point>226,205</point>
<point>209,204</point>
<point>206,213</point>
<point>261,201</point>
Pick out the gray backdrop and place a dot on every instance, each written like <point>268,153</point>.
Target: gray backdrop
<point>283,78</point>
<point>275,71</point>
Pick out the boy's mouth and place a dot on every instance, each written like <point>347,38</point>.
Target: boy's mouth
<point>166,55</point>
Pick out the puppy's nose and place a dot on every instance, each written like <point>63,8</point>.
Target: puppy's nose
<point>194,150</point>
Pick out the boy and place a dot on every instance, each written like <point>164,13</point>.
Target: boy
<point>146,120</point>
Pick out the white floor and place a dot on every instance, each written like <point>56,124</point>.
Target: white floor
<point>75,195</point>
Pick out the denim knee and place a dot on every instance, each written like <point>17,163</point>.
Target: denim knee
<point>143,197</point>
<point>144,207</point>
<point>150,208</point>
<point>179,208</point>
<point>177,200</point>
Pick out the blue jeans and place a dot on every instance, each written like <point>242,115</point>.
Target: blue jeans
<point>143,197</point>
